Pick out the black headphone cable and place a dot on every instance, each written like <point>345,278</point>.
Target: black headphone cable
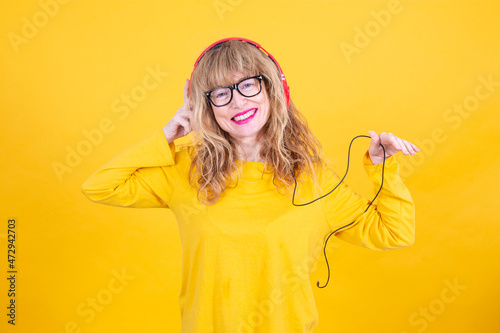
<point>347,169</point>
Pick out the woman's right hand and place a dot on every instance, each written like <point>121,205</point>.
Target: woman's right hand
<point>180,124</point>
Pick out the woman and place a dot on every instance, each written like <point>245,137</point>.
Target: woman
<point>247,250</point>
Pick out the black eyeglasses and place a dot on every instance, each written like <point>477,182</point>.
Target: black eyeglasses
<point>248,87</point>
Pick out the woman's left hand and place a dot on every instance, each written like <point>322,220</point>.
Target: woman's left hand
<point>392,145</point>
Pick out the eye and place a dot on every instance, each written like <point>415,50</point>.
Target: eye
<point>247,85</point>
<point>221,94</point>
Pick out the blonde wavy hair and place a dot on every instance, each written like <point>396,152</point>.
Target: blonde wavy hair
<point>288,145</point>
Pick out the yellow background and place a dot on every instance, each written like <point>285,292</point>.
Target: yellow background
<point>405,77</point>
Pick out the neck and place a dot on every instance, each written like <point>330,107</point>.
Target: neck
<point>248,149</point>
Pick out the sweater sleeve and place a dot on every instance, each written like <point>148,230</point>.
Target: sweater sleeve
<point>137,177</point>
<point>389,223</point>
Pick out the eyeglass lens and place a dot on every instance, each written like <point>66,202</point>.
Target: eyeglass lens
<point>248,88</point>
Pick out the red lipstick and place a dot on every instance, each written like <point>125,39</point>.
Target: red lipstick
<point>244,117</point>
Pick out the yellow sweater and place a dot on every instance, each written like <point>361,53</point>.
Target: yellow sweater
<point>246,259</point>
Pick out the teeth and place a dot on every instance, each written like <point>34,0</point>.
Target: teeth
<point>245,116</point>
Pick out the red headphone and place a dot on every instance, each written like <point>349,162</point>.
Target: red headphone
<point>283,79</point>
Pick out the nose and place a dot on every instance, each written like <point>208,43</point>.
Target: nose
<point>238,99</point>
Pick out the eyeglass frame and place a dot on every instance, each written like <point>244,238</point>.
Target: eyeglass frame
<point>235,86</point>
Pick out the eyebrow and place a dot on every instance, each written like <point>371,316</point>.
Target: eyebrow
<point>229,85</point>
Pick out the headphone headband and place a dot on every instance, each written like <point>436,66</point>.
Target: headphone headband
<point>286,89</point>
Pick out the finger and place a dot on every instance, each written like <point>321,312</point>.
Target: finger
<point>409,147</point>
<point>185,111</point>
<point>414,147</point>
<point>393,140</point>
<point>185,126</point>
<point>187,130</point>
<point>186,92</point>
<point>373,135</point>
<point>375,139</point>
<point>389,139</point>
<point>186,116</point>
<point>404,149</point>
<point>374,148</point>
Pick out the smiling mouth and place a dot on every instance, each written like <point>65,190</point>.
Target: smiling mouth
<point>245,115</point>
